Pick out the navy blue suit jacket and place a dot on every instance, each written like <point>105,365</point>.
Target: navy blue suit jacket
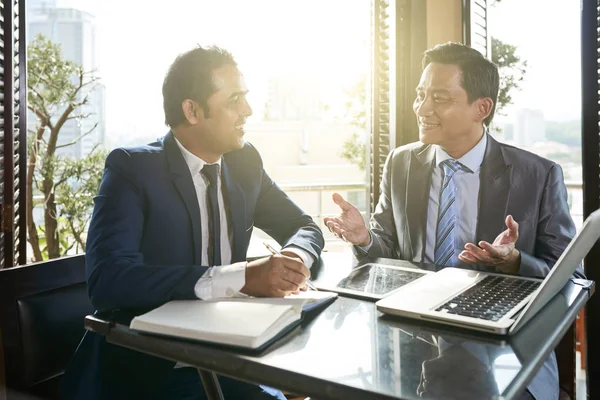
<point>143,250</point>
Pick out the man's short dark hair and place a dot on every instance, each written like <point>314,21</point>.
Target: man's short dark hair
<point>190,77</point>
<point>479,75</point>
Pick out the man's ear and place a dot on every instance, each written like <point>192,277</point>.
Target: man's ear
<point>192,111</point>
<point>485,106</point>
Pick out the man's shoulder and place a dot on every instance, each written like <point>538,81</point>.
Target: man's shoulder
<point>523,158</point>
<point>149,149</point>
<point>141,153</point>
<point>407,149</point>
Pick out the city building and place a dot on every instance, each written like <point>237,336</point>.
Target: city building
<point>529,127</point>
<point>75,31</point>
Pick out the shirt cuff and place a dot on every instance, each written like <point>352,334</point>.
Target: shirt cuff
<point>306,257</point>
<point>221,282</point>
<point>367,247</point>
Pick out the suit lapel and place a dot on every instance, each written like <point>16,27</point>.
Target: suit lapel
<point>182,179</point>
<point>237,212</point>
<point>494,177</point>
<point>417,199</point>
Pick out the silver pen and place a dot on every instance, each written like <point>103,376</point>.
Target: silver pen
<point>273,251</point>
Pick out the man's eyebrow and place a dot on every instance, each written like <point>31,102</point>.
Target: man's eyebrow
<point>433,90</point>
<point>239,93</point>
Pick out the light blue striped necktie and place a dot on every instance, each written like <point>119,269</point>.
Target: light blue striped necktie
<point>445,253</point>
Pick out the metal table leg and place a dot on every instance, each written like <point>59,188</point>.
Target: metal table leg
<point>211,385</point>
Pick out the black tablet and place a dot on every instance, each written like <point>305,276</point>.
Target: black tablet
<point>375,281</point>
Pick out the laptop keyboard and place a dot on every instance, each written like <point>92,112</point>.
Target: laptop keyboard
<point>491,298</point>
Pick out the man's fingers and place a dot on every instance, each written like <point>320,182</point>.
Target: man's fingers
<point>479,254</point>
<point>331,220</point>
<point>343,236</point>
<point>296,266</point>
<point>293,278</point>
<point>335,229</point>
<point>344,204</point>
<point>287,286</point>
<point>512,225</point>
<point>494,251</point>
<point>331,224</point>
<point>280,293</point>
<point>467,257</point>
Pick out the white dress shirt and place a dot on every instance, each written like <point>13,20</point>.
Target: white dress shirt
<point>467,199</point>
<point>228,279</point>
<point>466,203</point>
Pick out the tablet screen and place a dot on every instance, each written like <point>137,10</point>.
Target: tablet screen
<point>378,279</point>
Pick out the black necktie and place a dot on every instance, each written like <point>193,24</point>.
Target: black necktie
<point>211,171</point>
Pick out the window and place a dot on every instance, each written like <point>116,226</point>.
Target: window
<point>542,111</point>
<point>308,80</point>
<point>13,130</point>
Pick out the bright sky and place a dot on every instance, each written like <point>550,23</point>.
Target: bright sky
<point>324,39</point>
<point>137,42</point>
<point>547,34</point>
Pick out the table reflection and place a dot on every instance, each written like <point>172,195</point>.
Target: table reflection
<point>461,370</point>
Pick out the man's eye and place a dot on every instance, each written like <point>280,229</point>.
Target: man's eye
<point>440,99</point>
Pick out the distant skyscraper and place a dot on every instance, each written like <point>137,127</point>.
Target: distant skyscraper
<point>530,127</point>
<point>292,98</point>
<point>40,4</point>
<point>75,31</point>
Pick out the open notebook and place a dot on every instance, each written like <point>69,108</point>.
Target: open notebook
<point>249,322</point>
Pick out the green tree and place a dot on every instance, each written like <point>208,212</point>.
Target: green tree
<point>57,88</point>
<point>567,132</point>
<point>354,149</point>
<point>511,69</point>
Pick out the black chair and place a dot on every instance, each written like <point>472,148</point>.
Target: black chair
<point>42,309</point>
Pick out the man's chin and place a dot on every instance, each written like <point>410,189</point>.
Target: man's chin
<point>240,143</point>
<point>429,136</point>
<point>237,144</point>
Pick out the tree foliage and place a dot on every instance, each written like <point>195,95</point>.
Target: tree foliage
<point>354,149</point>
<point>63,187</point>
<point>511,69</point>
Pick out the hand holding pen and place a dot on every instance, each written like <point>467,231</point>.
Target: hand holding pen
<point>275,252</point>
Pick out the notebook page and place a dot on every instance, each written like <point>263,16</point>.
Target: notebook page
<point>207,318</point>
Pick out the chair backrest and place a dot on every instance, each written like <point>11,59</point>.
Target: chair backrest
<point>42,309</point>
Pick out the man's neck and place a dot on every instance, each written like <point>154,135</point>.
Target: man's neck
<point>457,150</point>
<point>188,139</point>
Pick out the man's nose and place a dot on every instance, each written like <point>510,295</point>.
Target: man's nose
<point>247,110</point>
<point>423,107</point>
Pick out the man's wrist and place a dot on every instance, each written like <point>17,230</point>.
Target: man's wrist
<point>367,241</point>
<point>514,266</point>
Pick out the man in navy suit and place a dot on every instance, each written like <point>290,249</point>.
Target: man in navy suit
<point>173,221</point>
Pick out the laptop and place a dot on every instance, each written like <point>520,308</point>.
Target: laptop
<point>489,302</point>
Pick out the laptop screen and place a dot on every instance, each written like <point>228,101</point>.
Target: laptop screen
<point>563,269</point>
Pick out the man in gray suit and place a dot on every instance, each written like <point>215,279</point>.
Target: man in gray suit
<point>460,198</point>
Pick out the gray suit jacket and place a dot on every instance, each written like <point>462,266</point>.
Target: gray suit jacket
<point>513,181</point>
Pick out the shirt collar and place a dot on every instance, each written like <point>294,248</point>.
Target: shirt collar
<point>194,163</point>
<point>472,160</point>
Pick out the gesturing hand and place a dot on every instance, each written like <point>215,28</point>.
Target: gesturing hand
<point>275,276</point>
<point>501,253</point>
<point>349,225</point>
